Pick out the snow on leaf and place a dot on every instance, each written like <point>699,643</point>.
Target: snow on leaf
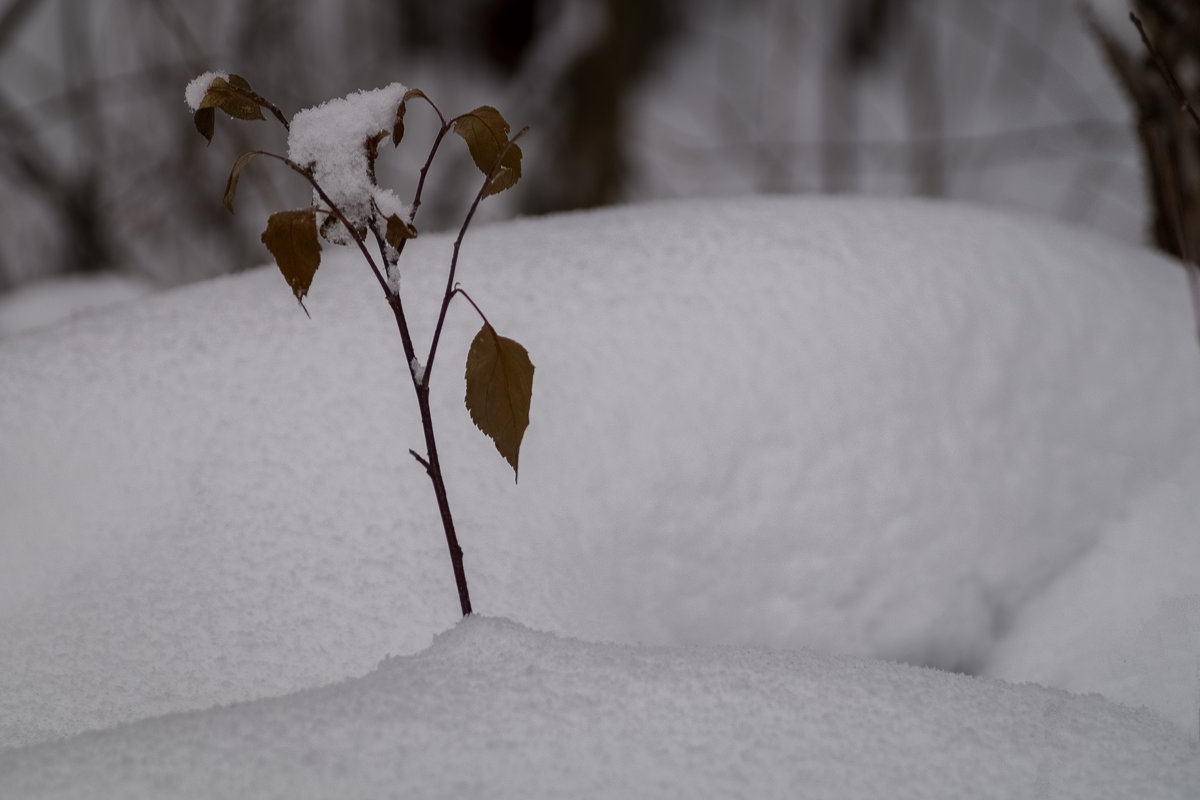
<point>499,390</point>
<point>330,138</point>
<point>291,236</point>
<point>232,97</point>
<point>197,87</point>
<point>213,90</point>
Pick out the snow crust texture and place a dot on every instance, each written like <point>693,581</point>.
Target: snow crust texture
<point>496,710</point>
<point>866,427</point>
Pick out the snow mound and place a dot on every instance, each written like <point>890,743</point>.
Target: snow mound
<point>52,300</point>
<point>496,710</point>
<point>869,427</point>
<point>1124,620</point>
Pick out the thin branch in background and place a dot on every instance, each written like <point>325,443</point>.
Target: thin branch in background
<point>12,18</point>
<point>839,123</point>
<point>1174,202</point>
<point>776,99</point>
<point>1167,169</point>
<point>1165,70</point>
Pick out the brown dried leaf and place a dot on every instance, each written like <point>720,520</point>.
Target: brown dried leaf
<point>486,133</point>
<point>499,390</point>
<point>291,236</point>
<point>398,230</point>
<point>398,126</point>
<point>206,122</point>
<point>232,97</point>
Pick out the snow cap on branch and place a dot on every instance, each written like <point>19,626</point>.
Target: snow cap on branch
<point>331,137</point>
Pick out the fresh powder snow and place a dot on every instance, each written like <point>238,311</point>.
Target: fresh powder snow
<point>330,138</point>
<point>777,447</point>
<point>198,87</point>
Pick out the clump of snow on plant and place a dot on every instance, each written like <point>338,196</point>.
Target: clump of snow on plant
<point>331,137</point>
<point>195,91</point>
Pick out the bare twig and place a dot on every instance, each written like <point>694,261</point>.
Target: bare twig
<point>420,460</point>
<point>1165,70</point>
<point>478,310</point>
<point>462,232</point>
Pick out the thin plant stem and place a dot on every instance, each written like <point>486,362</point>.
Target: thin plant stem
<point>462,232</point>
<point>478,310</point>
<point>420,379</point>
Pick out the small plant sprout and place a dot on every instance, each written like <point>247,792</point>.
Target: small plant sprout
<point>335,146</point>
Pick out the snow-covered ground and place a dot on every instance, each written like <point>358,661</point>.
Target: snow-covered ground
<point>777,445</point>
<point>42,303</point>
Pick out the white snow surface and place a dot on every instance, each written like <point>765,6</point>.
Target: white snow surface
<point>495,710</point>
<point>42,303</point>
<point>772,439</point>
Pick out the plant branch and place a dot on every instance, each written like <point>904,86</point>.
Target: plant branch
<point>337,212</point>
<point>388,279</point>
<point>416,203</point>
<point>463,292</point>
<point>462,232</point>
<point>436,110</point>
<point>267,104</point>
<point>420,460</point>
<point>433,464</point>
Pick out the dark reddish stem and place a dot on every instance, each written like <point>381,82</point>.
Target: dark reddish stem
<point>462,232</point>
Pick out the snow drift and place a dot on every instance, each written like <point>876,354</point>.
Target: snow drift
<point>867,427</point>
<point>495,710</point>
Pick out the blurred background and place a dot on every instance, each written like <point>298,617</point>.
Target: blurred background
<point>1036,105</point>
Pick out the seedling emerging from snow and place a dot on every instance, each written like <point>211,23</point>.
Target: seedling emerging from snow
<point>334,146</point>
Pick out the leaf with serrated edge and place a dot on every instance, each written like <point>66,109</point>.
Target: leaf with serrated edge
<point>235,173</point>
<point>291,236</point>
<point>499,390</point>
<point>486,133</point>
<point>508,174</point>
<point>228,96</point>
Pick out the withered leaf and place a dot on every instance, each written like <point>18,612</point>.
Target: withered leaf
<point>206,122</point>
<point>232,97</point>
<point>398,126</point>
<point>499,390</point>
<point>398,230</point>
<point>486,133</point>
<point>291,236</point>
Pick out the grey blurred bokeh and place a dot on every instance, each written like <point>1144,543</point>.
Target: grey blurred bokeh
<point>1008,103</point>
